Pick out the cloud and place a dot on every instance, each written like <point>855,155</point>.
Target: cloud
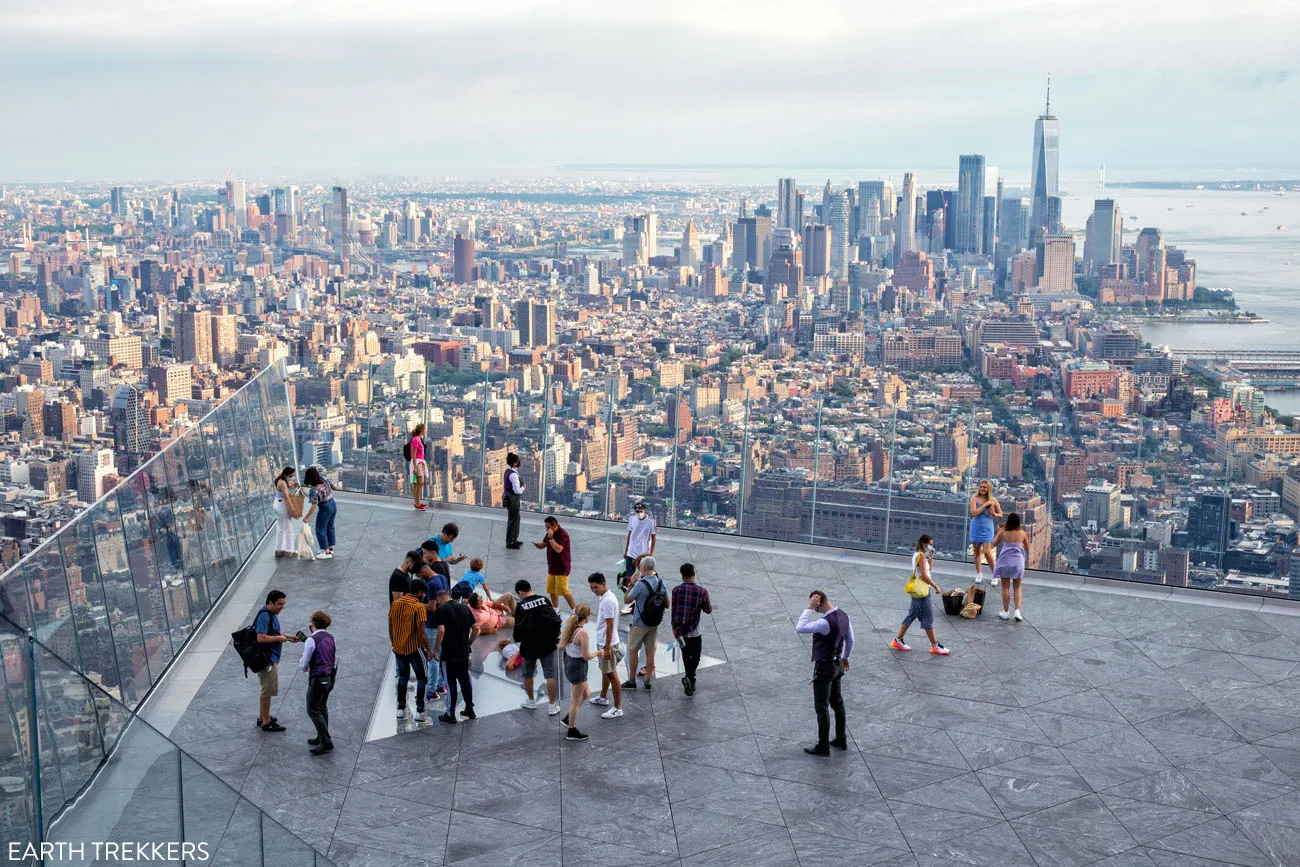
<point>340,89</point>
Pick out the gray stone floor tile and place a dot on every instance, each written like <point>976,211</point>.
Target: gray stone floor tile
<point>1045,766</point>
<point>872,823</point>
<point>479,840</point>
<point>345,854</point>
<point>1147,822</point>
<point>420,838</point>
<point>1182,748</point>
<point>739,754</point>
<point>1061,848</point>
<point>996,844</point>
<point>1061,730</point>
<point>1016,796</point>
<point>823,848</point>
<point>639,823</point>
<point>1279,842</point>
<point>774,848</point>
<point>931,747</point>
<point>964,794</point>
<point>1245,762</point>
<point>1168,787</point>
<point>1085,815</point>
<point>699,830</point>
<point>926,829</point>
<point>1218,839</point>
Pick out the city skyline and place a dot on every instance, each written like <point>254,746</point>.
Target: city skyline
<point>394,88</point>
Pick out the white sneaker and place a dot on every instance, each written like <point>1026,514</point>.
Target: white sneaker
<point>528,703</point>
<point>1019,616</point>
<point>979,579</point>
<point>325,556</point>
<point>599,699</point>
<point>553,710</point>
<point>401,713</point>
<point>1004,615</point>
<point>994,581</point>
<point>612,713</point>
<point>419,716</point>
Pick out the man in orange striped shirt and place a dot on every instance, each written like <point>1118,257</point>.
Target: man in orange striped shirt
<point>410,642</point>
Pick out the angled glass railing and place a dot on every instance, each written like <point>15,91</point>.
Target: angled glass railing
<point>95,614</point>
<point>88,781</point>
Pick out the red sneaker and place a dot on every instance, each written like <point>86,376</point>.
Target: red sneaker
<point>421,507</point>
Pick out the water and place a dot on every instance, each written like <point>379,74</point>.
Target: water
<point>1248,254</point>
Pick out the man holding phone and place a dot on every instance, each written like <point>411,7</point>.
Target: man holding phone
<point>438,552</point>
<point>559,562</point>
<point>832,643</point>
<point>267,627</point>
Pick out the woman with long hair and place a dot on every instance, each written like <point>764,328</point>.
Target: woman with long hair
<point>920,608</point>
<point>321,492</point>
<point>286,533</point>
<point>984,509</point>
<point>1013,550</point>
<point>417,466</point>
<point>575,641</point>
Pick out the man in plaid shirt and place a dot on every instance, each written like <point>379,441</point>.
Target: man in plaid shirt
<point>689,600</point>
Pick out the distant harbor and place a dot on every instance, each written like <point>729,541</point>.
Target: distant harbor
<point>1198,319</point>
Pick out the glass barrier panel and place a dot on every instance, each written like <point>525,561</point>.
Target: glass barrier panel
<point>18,815</point>
<point>67,722</point>
<point>135,797</point>
<point>282,849</point>
<point>710,425</point>
<point>241,489</point>
<point>86,593</point>
<point>187,533</point>
<point>241,844</point>
<point>209,806</point>
<point>120,601</point>
<point>141,552</point>
<point>167,550</point>
<point>47,592</point>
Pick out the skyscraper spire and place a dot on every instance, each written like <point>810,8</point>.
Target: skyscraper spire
<point>1048,111</point>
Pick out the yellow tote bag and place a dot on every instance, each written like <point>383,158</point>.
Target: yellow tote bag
<point>916,587</point>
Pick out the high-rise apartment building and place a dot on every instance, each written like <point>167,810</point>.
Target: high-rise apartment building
<point>341,221</point>
<point>463,259</point>
<point>225,337</point>
<point>117,202</point>
<point>172,382</point>
<point>93,467</point>
<point>238,195</point>
<point>132,432</point>
<point>905,225</point>
<point>969,235</point>
<point>1043,168</point>
<point>1102,505</point>
<point>688,254</point>
<point>949,449</point>
<point>839,219</point>
<point>194,336</point>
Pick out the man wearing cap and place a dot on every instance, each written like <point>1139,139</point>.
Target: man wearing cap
<point>457,633</point>
<point>641,534</point>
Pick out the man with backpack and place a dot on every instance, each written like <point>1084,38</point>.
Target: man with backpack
<point>649,599</point>
<point>537,632</point>
<point>267,627</point>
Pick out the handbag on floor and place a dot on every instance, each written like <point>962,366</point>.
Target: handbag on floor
<point>306,543</point>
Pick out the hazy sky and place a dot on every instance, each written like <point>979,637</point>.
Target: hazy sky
<point>325,89</point>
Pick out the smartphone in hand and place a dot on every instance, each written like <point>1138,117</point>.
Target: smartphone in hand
<point>300,636</point>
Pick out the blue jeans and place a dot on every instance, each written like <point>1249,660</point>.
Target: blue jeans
<point>435,669</point>
<point>325,513</point>
<point>406,665</point>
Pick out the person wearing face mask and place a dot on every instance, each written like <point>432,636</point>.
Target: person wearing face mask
<point>641,534</point>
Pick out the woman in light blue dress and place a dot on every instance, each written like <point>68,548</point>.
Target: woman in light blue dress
<point>984,510</point>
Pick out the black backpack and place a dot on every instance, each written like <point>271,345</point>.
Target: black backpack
<point>652,610</point>
<point>255,656</point>
<point>406,451</point>
<point>546,626</point>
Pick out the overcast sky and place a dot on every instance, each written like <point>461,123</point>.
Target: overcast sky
<point>320,89</point>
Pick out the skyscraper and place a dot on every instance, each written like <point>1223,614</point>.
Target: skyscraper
<point>117,201</point>
<point>788,205</point>
<point>905,225</point>
<point>1043,179</point>
<point>341,224</point>
<point>840,241</point>
<point>817,249</point>
<point>969,235</point>
<point>688,254</point>
<point>535,321</point>
<point>1105,236</point>
<point>462,259</point>
<point>239,202</point>
<point>1056,264</point>
<point>194,336</point>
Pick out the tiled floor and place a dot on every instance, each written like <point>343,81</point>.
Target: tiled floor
<point>1109,728</point>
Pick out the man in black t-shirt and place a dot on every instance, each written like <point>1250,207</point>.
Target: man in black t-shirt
<point>457,632</point>
<point>399,582</point>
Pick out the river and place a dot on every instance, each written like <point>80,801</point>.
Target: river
<point>1250,254</point>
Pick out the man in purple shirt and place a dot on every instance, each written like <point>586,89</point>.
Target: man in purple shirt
<point>832,643</point>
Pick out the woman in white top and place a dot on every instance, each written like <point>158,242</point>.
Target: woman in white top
<point>286,526</point>
<point>575,641</point>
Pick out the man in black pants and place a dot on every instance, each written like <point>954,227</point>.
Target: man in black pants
<point>689,600</point>
<point>320,663</point>
<point>832,643</point>
<point>457,632</point>
<point>514,488</point>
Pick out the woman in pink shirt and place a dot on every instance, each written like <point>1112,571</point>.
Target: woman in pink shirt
<point>418,467</point>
